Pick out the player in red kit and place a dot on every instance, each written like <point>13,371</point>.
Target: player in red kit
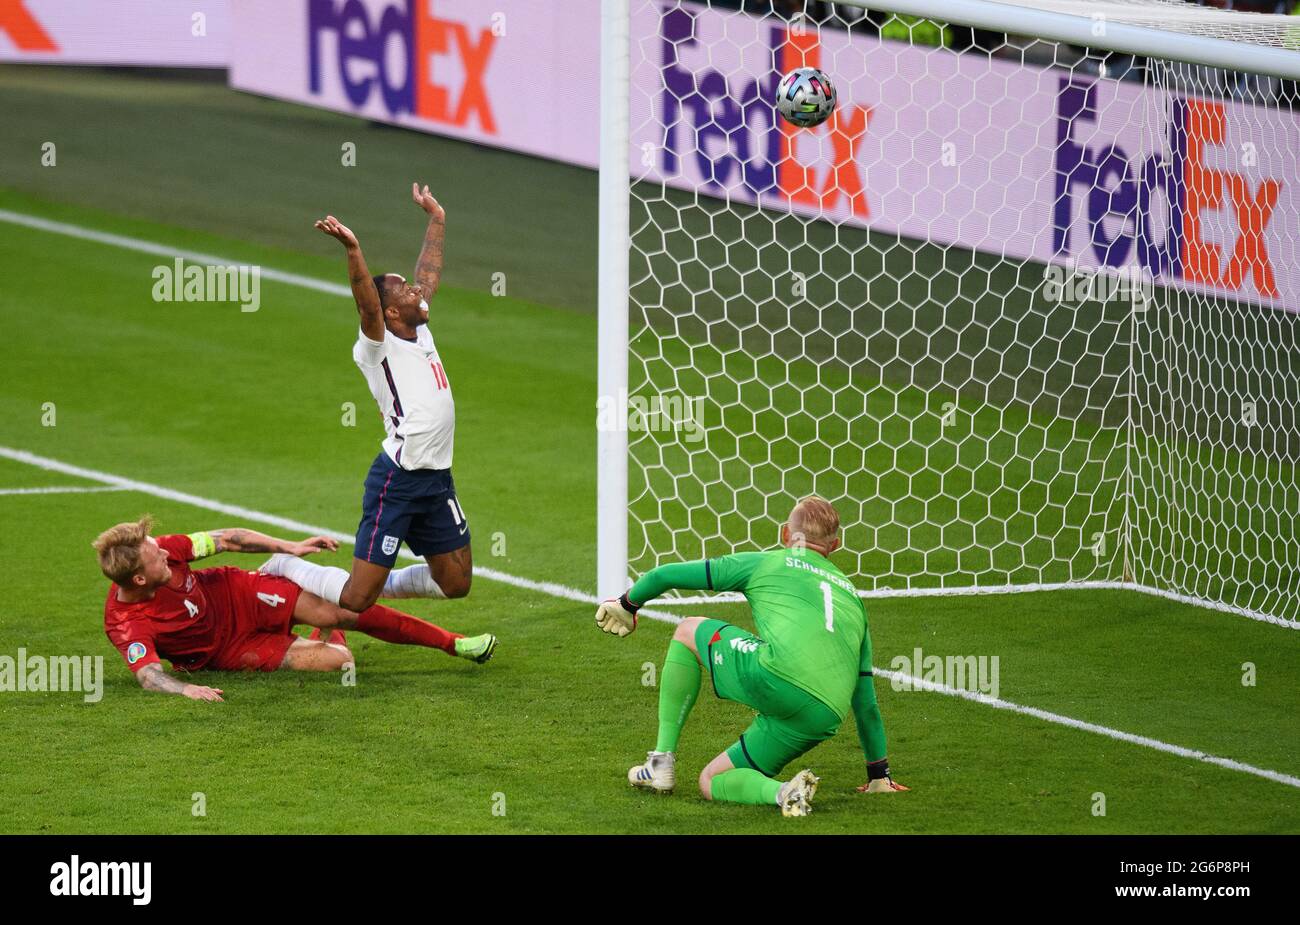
<point>229,619</point>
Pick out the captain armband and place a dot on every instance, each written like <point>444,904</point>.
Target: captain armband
<point>204,545</point>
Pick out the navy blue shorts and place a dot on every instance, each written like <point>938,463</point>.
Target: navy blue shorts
<point>418,506</point>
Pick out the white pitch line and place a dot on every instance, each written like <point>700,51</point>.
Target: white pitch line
<point>550,588</point>
<point>1117,734</point>
<point>163,250</point>
<point>119,483</point>
<point>60,490</point>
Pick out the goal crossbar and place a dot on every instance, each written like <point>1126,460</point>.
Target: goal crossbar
<point>1102,29</point>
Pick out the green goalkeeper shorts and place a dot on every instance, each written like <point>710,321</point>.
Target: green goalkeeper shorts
<point>790,720</point>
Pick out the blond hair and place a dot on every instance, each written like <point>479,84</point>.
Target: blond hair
<point>814,520</point>
<point>119,549</point>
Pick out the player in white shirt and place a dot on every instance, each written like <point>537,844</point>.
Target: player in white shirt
<point>410,495</point>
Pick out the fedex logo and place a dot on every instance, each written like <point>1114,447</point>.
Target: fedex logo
<point>1110,183</point>
<point>364,67</point>
<point>734,134</point>
<point>22,27</point>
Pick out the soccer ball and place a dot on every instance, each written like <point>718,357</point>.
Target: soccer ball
<point>805,97</point>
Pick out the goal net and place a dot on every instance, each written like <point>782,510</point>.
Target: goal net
<point>1025,309</point>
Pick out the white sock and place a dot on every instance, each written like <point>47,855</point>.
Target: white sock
<point>325,581</point>
<point>412,581</point>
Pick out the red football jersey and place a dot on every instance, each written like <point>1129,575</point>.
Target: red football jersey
<point>179,623</point>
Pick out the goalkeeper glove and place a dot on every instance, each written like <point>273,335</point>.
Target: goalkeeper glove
<point>878,779</point>
<point>617,616</point>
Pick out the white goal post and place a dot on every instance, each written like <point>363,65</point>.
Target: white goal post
<point>1026,309</point>
<point>612,295</point>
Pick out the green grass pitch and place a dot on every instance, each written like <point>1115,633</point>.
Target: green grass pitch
<point>247,409</point>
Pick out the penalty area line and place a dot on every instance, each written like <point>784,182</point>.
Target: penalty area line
<point>163,250</point>
<point>60,490</point>
<point>120,483</point>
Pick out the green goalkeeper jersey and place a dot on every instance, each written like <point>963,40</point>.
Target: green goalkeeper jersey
<point>804,608</point>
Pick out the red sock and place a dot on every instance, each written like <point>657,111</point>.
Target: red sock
<point>336,637</point>
<point>394,626</point>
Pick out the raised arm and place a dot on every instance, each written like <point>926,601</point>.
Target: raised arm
<point>428,269</point>
<point>363,287</point>
<point>153,678</point>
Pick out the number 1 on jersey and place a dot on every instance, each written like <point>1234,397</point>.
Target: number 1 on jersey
<point>830,612</point>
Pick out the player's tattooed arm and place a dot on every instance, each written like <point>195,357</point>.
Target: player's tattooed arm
<point>363,286</point>
<point>428,269</point>
<point>237,539</point>
<point>153,678</point>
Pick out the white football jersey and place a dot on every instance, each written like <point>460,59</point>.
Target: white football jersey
<point>414,396</point>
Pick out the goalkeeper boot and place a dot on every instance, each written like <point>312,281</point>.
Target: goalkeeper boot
<point>477,649</point>
<point>796,794</point>
<point>659,773</point>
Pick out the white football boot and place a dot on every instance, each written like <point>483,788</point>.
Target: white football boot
<point>796,794</point>
<point>659,773</point>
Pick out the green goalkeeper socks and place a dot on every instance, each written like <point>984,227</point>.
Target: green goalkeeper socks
<point>745,785</point>
<point>679,685</point>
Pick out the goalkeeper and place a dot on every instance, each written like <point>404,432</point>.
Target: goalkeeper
<point>809,664</point>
